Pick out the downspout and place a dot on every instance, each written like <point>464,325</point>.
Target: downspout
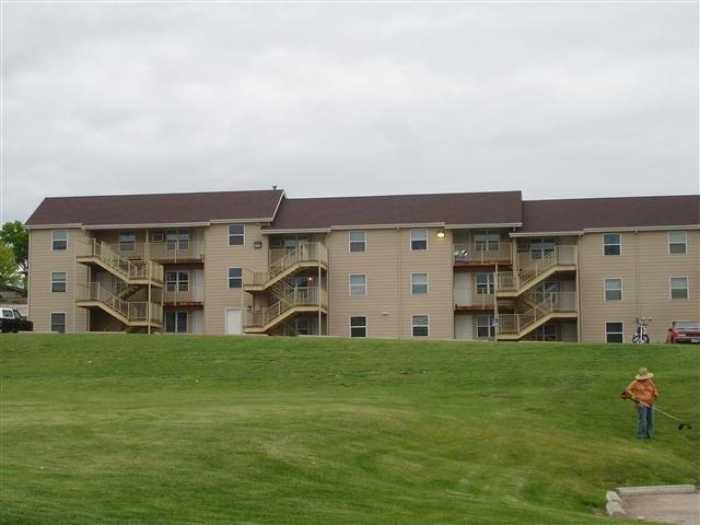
<point>579,287</point>
<point>399,283</point>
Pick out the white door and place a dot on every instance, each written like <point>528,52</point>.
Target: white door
<point>233,321</point>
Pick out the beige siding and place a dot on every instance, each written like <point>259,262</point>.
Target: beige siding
<point>44,261</point>
<point>388,262</point>
<point>218,259</point>
<point>645,268</point>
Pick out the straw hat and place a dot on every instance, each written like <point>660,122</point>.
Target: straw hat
<point>644,374</point>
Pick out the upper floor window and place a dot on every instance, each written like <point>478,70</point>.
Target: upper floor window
<point>236,234</point>
<point>358,284</point>
<point>419,325</point>
<point>58,322</point>
<point>177,240</point>
<point>613,290</point>
<point>59,240</point>
<point>679,288</point>
<point>235,279</point>
<point>156,236</point>
<point>612,243</point>
<point>58,281</point>
<point>677,243</point>
<point>539,248</point>
<point>614,332</point>
<point>358,326</point>
<point>127,241</point>
<point>179,281</point>
<point>419,239</point>
<point>419,283</point>
<point>486,241</point>
<point>484,283</point>
<point>357,241</point>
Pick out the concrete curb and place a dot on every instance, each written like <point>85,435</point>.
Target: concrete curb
<point>613,508</point>
<point>654,489</point>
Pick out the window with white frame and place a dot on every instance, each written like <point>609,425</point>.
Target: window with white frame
<point>614,332</point>
<point>679,287</point>
<point>58,282</point>
<point>177,240</point>
<point>484,283</point>
<point>357,241</point>
<point>613,290</point>
<point>236,234</point>
<point>612,243</point>
<point>156,237</point>
<point>177,281</point>
<point>419,283</point>
<point>127,241</point>
<point>358,284</point>
<point>540,248</point>
<point>419,325</point>
<point>59,240</point>
<point>235,279</point>
<point>176,321</point>
<point>485,326</point>
<point>487,241</point>
<point>419,239</point>
<point>677,243</point>
<point>58,322</point>
<point>358,326</point>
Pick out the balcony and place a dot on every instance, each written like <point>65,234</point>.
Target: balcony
<point>169,251</point>
<point>479,302</point>
<point>482,254</point>
<point>182,297</point>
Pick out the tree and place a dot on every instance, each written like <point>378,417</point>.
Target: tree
<point>9,270</point>
<point>16,237</point>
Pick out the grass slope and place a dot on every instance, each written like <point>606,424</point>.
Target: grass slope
<point>174,430</point>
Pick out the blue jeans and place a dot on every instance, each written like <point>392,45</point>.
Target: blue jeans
<point>645,425</point>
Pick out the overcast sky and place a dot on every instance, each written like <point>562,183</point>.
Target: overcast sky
<point>557,100</point>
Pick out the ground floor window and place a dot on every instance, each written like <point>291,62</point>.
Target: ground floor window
<point>58,322</point>
<point>358,326</point>
<point>485,326</point>
<point>614,332</point>
<point>176,322</point>
<point>419,325</point>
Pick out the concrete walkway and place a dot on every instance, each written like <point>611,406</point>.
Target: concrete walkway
<point>682,509</point>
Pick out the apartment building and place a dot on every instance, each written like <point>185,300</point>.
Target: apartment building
<point>474,266</point>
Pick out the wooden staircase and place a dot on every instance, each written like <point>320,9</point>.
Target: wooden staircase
<point>290,300</point>
<point>514,283</point>
<point>304,255</point>
<point>555,305</point>
<point>129,313</point>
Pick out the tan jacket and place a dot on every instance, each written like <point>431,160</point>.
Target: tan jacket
<point>643,391</point>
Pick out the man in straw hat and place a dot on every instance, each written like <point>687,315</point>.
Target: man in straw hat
<point>643,391</point>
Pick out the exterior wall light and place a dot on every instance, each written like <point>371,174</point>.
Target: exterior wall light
<point>441,235</point>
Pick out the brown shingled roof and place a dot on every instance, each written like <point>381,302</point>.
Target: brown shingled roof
<point>156,208</point>
<point>563,215</point>
<point>448,208</point>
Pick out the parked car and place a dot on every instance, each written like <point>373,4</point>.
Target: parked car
<point>683,332</point>
<point>12,321</point>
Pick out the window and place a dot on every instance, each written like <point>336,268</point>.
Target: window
<point>59,240</point>
<point>127,241</point>
<point>177,240</point>
<point>419,283</point>
<point>614,332</point>
<point>358,326</point>
<point>679,287</point>
<point>58,281</point>
<point>541,248</point>
<point>677,243</point>
<point>235,280</point>
<point>179,281</point>
<point>58,323</point>
<point>8,314</point>
<point>156,237</point>
<point>419,325</point>
<point>419,239</point>
<point>612,244</point>
<point>358,284</point>
<point>236,234</point>
<point>613,290</point>
<point>484,283</point>
<point>486,241</point>
<point>176,322</point>
<point>357,241</point>
<point>485,326</point>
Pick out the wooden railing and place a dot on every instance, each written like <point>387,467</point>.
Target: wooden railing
<point>478,253</point>
<point>127,268</point>
<point>517,324</point>
<point>565,255</point>
<point>288,299</point>
<point>133,311</point>
<point>482,300</point>
<point>302,252</point>
<point>179,296</point>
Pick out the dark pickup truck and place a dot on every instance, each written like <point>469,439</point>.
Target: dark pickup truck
<point>12,321</point>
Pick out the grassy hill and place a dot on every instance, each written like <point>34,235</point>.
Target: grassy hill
<point>174,430</point>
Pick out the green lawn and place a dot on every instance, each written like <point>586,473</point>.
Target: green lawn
<point>136,429</point>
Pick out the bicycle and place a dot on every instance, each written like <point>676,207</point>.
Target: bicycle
<point>641,337</point>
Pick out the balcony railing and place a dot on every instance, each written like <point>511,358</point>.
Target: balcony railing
<point>179,296</point>
<point>554,302</point>
<point>282,259</point>
<point>292,297</point>
<point>483,301</point>
<point>565,255</point>
<point>129,269</point>
<point>480,253</point>
<point>133,311</point>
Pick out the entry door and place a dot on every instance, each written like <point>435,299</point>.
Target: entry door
<point>233,321</point>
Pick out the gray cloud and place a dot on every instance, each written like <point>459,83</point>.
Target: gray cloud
<point>554,99</point>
